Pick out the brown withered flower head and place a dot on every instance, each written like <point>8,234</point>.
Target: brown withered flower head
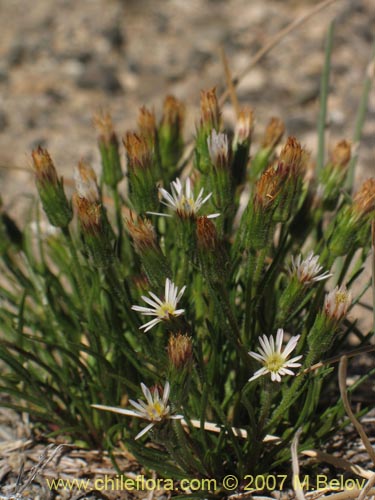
<point>173,112</point>
<point>364,200</point>
<point>142,232</point>
<point>210,112</point>
<point>89,215</point>
<point>293,157</point>
<point>267,188</point>
<point>138,152</point>
<point>104,125</point>
<point>273,133</point>
<point>147,125</point>
<point>45,170</point>
<point>180,351</point>
<point>341,154</point>
<point>206,234</point>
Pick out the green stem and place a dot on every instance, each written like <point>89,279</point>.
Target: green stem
<point>116,199</point>
<point>83,289</point>
<point>361,115</point>
<point>324,87</point>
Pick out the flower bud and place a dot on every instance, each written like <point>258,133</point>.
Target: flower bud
<point>290,170</point>
<point>86,184</point>
<point>147,126</point>
<point>141,172</point>
<point>241,144</point>
<point>109,150</point>
<point>364,200</point>
<point>213,257</point>
<point>257,220</point>
<point>51,189</point>
<point>244,127</point>
<point>332,176</point>
<point>272,136</point>
<point>210,112</point>
<point>337,303</point>
<point>351,228</point>
<point>147,247</point>
<point>218,149</point>
<point>210,119</point>
<point>96,230</point>
<point>220,174</point>
<point>180,351</point>
<point>170,134</point>
<point>325,327</point>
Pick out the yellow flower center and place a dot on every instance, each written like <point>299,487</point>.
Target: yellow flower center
<point>341,297</point>
<point>274,362</point>
<point>156,411</point>
<point>187,203</point>
<point>165,310</point>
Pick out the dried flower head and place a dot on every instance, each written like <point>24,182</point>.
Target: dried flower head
<point>206,234</point>
<point>138,152</point>
<point>173,113</point>
<point>292,156</point>
<point>51,189</point>
<point>86,183</point>
<point>104,125</point>
<point>308,270</point>
<point>267,188</point>
<point>341,154</point>
<point>337,303</point>
<point>217,143</point>
<point>364,200</point>
<point>89,214</point>
<point>45,170</point>
<point>163,309</point>
<point>182,201</point>
<point>180,350</point>
<point>155,409</point>
<point>142,232</point>
<point>147,125</point>
<point>273,133</point>
<point>274,360</point>
<point>210,112</point>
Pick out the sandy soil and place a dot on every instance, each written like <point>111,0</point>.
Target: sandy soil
<point>62,60</point>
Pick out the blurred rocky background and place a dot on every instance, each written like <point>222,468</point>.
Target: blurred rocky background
<point>62,60</point>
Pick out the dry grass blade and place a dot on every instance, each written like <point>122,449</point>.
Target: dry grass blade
<point>367,488</point>
<point>342,384</point>
<point>347,494</point>
<point>275,40</point>
<point>340,463</point>
<point>229,82</point>
<point>336,359</point>
<point>295,467</point>
<point>38,468</point>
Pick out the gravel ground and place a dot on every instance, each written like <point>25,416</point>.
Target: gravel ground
<point>62,60</point>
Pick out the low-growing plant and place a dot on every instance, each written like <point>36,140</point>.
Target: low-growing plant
<point>210,291</point>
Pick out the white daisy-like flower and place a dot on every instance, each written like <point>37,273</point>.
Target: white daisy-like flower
<point>182,201</point>
<point>154,409</point>
<point>162,309</point>
<point>337,302</point>
<point>307,270</point>
<point>274,360</point>
<point>217,144</point>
